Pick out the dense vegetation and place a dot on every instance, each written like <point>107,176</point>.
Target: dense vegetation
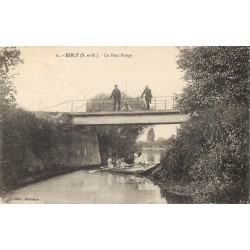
<point>30,147</point>
<point>120,140</point>
<point>9,59</point>
<point>209,155</point>
<point>35,148</point>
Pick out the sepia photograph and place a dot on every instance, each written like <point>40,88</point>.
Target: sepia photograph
<point>124,125</point>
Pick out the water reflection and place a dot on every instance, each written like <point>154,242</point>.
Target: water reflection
<point>83,187</point>
<point>99,188</point>
<point>151,155</point>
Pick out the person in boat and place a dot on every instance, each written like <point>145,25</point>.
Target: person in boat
<point>126,108</point>
<point>117,161</point>
<point>110,161</point>
<point>123,163</point>
<point>137,158</point>
<point>148,96</point>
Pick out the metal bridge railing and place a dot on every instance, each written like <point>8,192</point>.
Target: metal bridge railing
<point>101,105</point>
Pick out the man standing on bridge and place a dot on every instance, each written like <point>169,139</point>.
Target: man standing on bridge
<point>148,96</point>
<point>116,94</point>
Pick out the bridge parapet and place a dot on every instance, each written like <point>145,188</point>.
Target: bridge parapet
<point>159,103</point>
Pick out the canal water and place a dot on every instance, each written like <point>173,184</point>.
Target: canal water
<point>151,155</point>
<point>90,188</point>
<point>100,187</point>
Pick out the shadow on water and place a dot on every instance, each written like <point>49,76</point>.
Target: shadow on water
<point>152,156</point>
<point>86,188</point>
<point>97,188</point>
<point>175,198</point>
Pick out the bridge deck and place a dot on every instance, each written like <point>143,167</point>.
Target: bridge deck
<point>130,117</point>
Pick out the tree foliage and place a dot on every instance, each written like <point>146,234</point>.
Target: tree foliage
<point>9,58</point>
<point>151,135</point>
<point>213,74</point>
<point>209,154</point>
<point>35,146</point>
<point>116,139</point>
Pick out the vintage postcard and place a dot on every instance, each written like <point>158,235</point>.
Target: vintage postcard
<point>124,125</point>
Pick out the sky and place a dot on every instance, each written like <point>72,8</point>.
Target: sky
<point>52,75</point>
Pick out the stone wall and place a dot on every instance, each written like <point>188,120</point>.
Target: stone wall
<point>78,149</point>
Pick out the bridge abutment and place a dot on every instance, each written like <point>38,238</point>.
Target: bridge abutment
<point>78,149</point>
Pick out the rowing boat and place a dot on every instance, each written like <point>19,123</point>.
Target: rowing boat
<point>133,169</point>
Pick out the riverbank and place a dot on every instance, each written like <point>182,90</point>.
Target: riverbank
<point>177,193</point>
<point>173,192</point>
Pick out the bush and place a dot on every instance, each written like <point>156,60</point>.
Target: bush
<point>210,153</point>
<point>35,146</point>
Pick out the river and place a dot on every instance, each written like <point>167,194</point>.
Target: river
<point>90,188</point>
<point>151,155</point>
<point>100,187</point>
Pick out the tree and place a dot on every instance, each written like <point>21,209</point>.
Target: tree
<point>151,135</point>
<point>9,58</point>
<point>116,139</point>
<point>210,151</point>
<point>213,74</point>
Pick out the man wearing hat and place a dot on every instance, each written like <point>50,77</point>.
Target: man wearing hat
<point>148,96</point>
<point>116,94</point>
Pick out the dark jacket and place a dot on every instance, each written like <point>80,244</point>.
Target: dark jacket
<point>116,94</point>
<point>147,93</point>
